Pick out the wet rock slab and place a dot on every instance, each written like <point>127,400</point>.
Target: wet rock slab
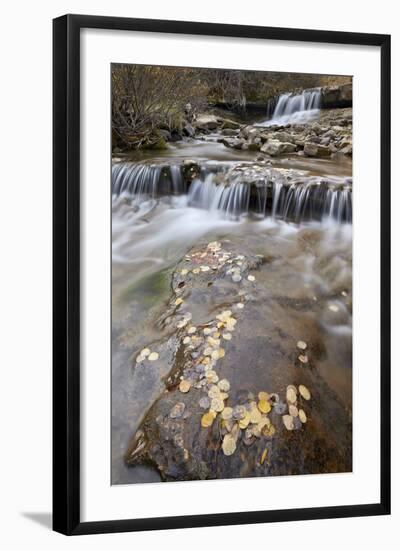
<point>237,402</point>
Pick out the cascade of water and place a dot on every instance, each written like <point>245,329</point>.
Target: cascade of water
<point>310,200</point>
<point>291,108</point>
<point>136,179</point>
<point>233,193</point>
<point>338,205</point>
<point>259,203</point>
<point>178,186</point>
<point>276,195</point>
<point>232,199</point>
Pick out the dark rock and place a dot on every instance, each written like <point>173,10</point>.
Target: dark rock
<point>165,134</point>
<point>190,170</point>
<point>175,136</point>
<point>337,96</point>
<point>188,130</point>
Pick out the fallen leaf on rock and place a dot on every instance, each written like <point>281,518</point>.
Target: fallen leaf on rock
<point>269,431</point>
<point>291,396</point>
<point>228,445</point>
<point>214,391</point>
<point>305,392</point>
<point>264,456</point>
<point>264,406</point>
<point>177,410</point>
<point>301,345</point>
<point>226,414</point>
<point>263,396</point>
<point>207,419</point>
<point>245,421</point>
<point>184,386</point>
<point>217,404</point>
<point>224,385</point>
<point>204,403</point>
<point>255,416</point>
<point>302,416</point>
<point>288,422</point>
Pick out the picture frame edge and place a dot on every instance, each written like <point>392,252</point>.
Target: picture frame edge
<point>66,274</point>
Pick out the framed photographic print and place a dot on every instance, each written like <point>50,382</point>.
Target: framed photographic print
<point>221,274</point>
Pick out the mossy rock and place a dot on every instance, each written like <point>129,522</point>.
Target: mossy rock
<point>157,145</point>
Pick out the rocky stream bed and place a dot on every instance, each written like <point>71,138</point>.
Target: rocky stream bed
<point>232,302</point>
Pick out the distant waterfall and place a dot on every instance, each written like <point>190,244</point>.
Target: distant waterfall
<point>294,108</point>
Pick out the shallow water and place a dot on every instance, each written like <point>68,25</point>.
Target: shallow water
<point>210,150</point>
<point>305,264</point>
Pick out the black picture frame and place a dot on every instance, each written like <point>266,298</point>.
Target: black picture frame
<point>66,273</point>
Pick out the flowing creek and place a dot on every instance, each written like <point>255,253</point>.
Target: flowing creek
<point>301,226</point>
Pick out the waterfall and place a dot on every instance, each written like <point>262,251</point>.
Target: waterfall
<point>150,180</point>
<point>237,190</point>
<point>311,200</point>
<point>176,179</point>
<point>338,205</point>
<point>232,199</point>
<point>294,108</point>
<point>276,195</point>
<point>135,179</point>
